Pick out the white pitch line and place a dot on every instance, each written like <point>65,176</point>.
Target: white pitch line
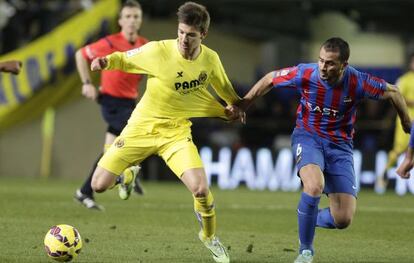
<point>360,208</point>
<point>375,209</point>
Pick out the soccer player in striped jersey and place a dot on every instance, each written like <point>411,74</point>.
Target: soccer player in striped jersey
<point>322,139</point>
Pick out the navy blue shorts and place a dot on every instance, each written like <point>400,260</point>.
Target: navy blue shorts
<point>335,160</point>
<point>116,112</point>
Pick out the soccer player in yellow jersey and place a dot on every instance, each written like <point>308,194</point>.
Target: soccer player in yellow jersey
<point>179,73</point>
<point>406,86</point>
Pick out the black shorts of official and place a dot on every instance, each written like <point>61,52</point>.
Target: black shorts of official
<point>116,112</point>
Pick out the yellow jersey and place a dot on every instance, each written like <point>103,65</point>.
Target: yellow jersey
<point>406,86</point>
<point>177,88</point>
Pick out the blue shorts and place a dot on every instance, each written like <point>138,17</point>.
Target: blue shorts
<point>116,112</point>
<point>335,160</point>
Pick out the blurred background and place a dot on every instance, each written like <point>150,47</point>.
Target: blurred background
<point>42,110</point>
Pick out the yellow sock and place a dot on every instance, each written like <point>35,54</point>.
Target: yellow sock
<point>206,215</point>
<point>128,175</point>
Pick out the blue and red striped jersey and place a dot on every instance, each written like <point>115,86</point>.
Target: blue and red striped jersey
<point>328,111</point>
<point>411,142</point>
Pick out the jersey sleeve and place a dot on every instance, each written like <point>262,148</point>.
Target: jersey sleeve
<point>99,48</point>
<point>285,78</point>
<point>221,83</point>
<point>371,87</point>
<point>142,60</point>
<point>411,142</point>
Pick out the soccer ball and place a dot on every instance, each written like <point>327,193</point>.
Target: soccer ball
<point>63,243</point>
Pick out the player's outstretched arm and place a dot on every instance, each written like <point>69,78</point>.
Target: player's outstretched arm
<point>407,164</point>
<point>115,61</point>
<point>259,89</point>
<point>393,94</point>
<point>11,66</point>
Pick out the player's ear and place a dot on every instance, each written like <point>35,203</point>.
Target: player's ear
<point>203,35</point>
<point>343,65</point>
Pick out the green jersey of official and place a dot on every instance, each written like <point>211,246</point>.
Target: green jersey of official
<point>176,87</point>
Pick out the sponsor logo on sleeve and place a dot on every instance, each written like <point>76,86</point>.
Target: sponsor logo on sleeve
<point>133,52</point>
<point>282,72</point>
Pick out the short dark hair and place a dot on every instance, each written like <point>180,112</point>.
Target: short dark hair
<point>337,44</point>
<point>194,14</point>
<point>130,3</point>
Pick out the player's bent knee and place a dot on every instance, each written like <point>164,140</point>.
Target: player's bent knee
<point>313,189</point>
<point>102,180</point>
<point>98,186</point>
<point>343,222</point>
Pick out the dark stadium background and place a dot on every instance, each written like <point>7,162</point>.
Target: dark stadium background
<point>284,25</point>
<point>252,37</point>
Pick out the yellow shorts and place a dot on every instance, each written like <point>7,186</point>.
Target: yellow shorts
<point>172,142</point>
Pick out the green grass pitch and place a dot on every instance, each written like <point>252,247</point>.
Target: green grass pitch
<point>161,227</point>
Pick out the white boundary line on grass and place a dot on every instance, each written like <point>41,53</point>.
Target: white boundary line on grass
<point>360,208</point>
<point>374,209</point>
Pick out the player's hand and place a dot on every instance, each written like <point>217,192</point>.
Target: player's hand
<point>99,63</point>
<point>405,167</point>
<point>243,104</point>
<point>89,91</point>
<point>234,113</point>
<point>11,66</point>
<point>406,125</point>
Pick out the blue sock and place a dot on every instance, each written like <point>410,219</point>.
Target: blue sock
<point>325,219</point>
<point>307,214</point>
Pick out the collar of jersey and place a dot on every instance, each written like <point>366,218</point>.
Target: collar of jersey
<point>181,56</point>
